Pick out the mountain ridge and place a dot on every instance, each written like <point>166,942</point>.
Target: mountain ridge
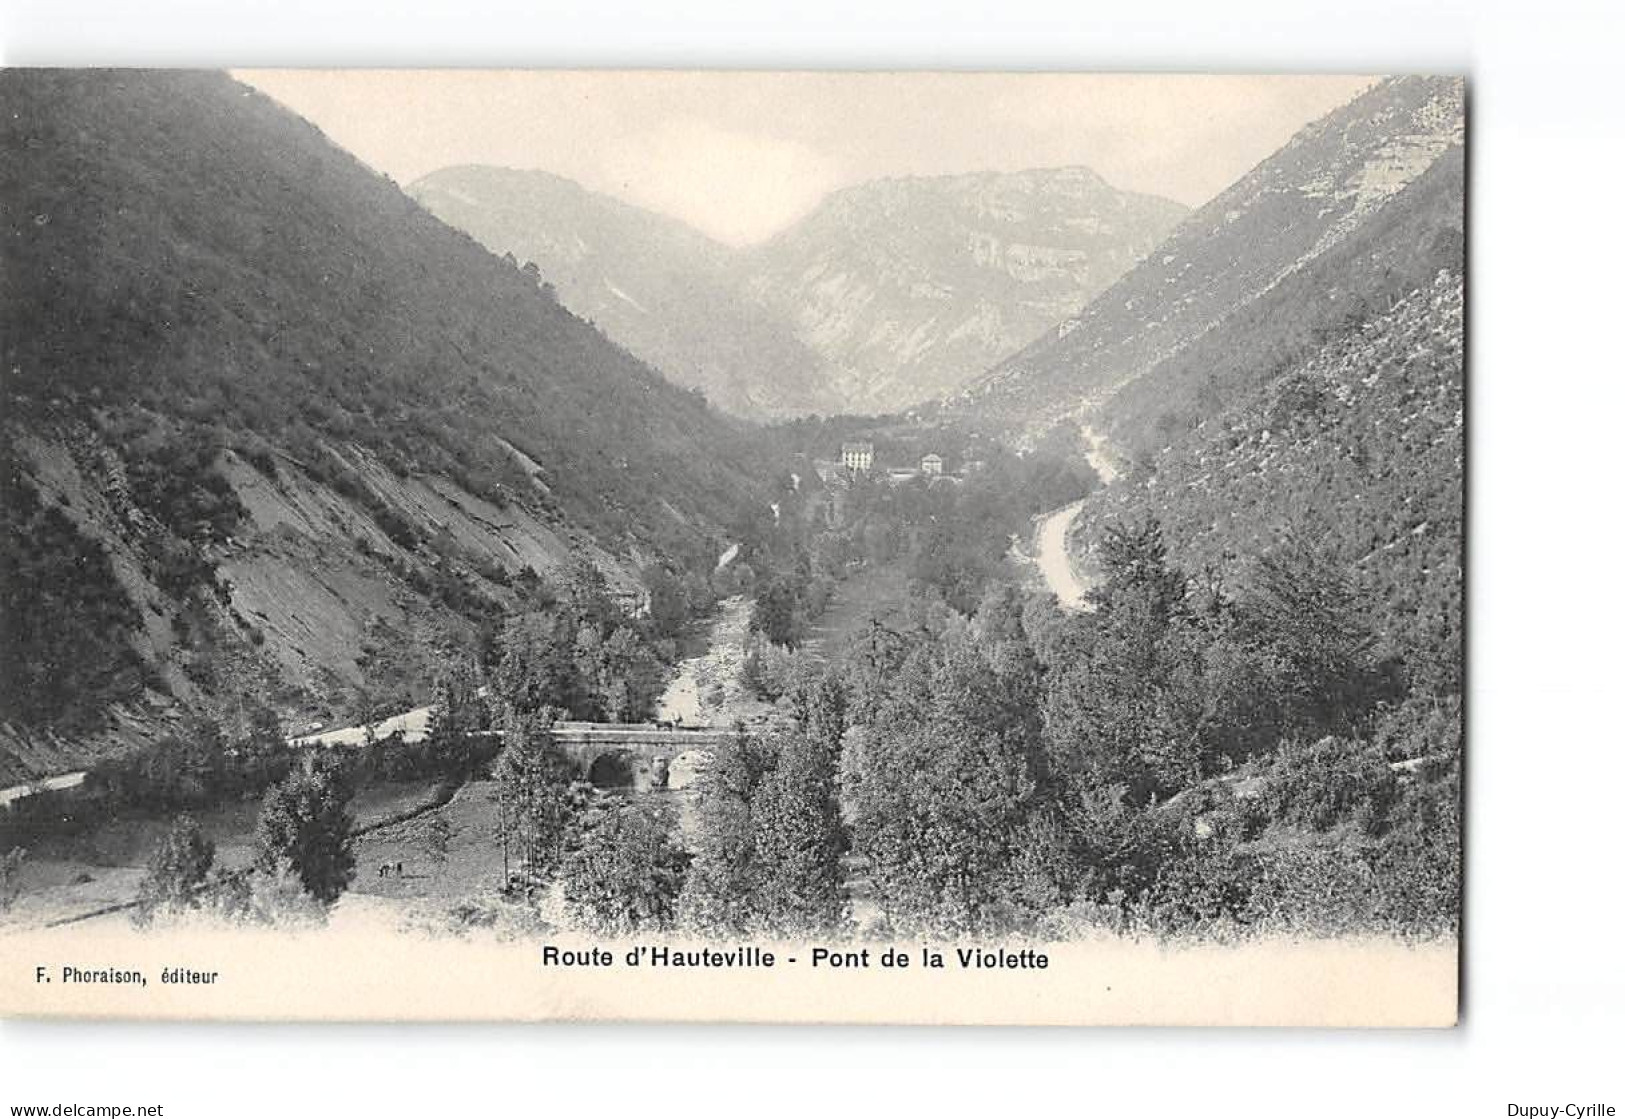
<point>1331,194</point>
<point>865,303</point>
<point>654,284</point>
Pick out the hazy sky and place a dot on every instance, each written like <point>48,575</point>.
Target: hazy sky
<point>741,155</point>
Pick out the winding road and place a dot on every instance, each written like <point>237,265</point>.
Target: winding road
<point>1053,562</point>
<point>1049,541</point>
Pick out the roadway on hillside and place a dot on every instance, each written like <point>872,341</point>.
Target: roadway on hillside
<point>1053,562</point>
<point>1049,540</point>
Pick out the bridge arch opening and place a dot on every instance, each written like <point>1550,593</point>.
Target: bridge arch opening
<point>615,769</point>
<point>684,769</point>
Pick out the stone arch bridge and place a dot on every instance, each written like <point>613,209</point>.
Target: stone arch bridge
<point>638,756</point>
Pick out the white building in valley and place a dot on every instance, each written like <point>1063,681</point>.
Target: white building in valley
<point>858,457</point>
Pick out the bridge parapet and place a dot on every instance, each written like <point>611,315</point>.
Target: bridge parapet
<point>641,735</point>
<point>635,755</point>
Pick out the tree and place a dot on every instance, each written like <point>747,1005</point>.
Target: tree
<point>775,614</point>
<point>1135,561</point>
<point>628,872</point>
<point>797,838</point>
<point>1128,708</point>
<point>256,749</point>
<point>589,599</point>
<point>178,770</point>
<point>537,802</point>
<point>1128,711</point>
<point>537,668</point>
<point>305,826</point>
<point>458,714</point>
<point>699,596</point>
<point>819,705</point>
<point>11,866</point>
<point>176,872</point>
<point>668,602</point>
<point>952,772</point>
<point>719,894</point>
<point>1306,612</point>
<point>627,677</point>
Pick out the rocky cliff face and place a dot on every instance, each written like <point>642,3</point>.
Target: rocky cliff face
<point>1359,208</point>
<point>887,294</point>
<point>909,287</point>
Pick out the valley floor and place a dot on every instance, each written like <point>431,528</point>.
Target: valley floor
<point>93,877</point>
<point>449,855</point>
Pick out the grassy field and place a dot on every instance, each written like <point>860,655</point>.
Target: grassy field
<point>450,888</point>
<point>65,876</point>
<point>870,591</point>
<point>469,862</point>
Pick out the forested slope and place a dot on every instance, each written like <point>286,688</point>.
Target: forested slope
<point>1355,452</point>
<point>264,416</point>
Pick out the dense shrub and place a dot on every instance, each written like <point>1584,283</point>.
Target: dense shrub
<point>627,871</point>
<point>304,830</point>
<point>176,872</point>
<point>1321,785</point>
<point>65,655</point>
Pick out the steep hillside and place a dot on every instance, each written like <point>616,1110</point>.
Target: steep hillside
<point>909,287</point>
<point>1359,208</point>
<point>664,290</point>
<point>273,431</point>
<point>1356,452</point>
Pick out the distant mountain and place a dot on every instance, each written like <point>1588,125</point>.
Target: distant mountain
<point>665,291</point>
<point>269,426</point>
<point>1357,210</point>
<point>887,294</point>
<point>909,287</point>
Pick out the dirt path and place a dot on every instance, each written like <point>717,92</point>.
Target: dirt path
<point>1050,555</point>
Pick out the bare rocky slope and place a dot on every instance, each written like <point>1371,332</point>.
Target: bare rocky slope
<point>910,287</point>
<point>274,433</point>
<point>887,294</point>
